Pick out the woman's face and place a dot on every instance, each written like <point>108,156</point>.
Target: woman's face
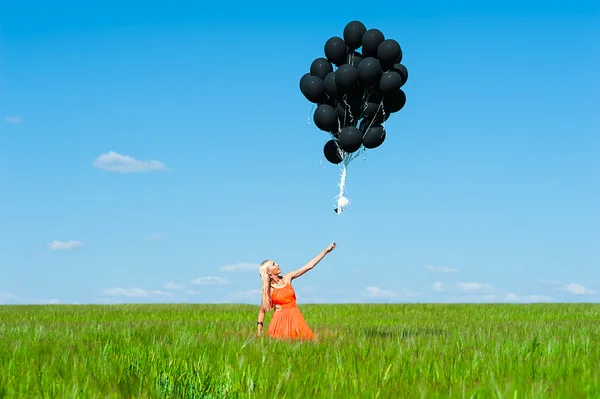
<point>274,269</point>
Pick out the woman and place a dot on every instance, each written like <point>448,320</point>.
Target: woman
<point>277,291</point>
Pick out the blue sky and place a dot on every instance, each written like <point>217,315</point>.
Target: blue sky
<point>159,153</point>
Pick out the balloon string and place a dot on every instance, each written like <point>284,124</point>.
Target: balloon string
<point>310,113</point>
<point>344,124</point>
<point>349,111</point>
<point>366,95</point>
<point>341,200</point>
<point>376,112</point>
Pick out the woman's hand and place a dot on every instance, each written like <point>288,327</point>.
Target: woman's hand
<point>308,266</point>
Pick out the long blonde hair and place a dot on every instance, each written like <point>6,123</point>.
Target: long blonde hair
<point>266,303</point>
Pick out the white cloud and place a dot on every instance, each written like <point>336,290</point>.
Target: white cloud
<point>157,237</point>
<point>173,286</point>
<point>512,297</point>
<point>210,280</point>
<point>64,245</point>
<point>113,162</point>
<point>536,298</point>
<point>249,294</point>
<point>133,292</point>
<point>241,266</point>
<point>578,289</point>
<point>441,269</point>
<point>110,301</point>
<point>51,301</point>
<point>438,286</point>
<point>311,289</point>
<point>376,292</point>
<point>13,119</point>
<point>509,297</point>
<point>5,296</point>
<point>473,287</point>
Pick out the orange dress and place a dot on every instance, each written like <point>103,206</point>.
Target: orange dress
<point>287,321</point>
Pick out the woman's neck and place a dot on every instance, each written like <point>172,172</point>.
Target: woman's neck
<point>276,280</point>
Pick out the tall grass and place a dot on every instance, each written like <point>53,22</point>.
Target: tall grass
<point>363,351</point>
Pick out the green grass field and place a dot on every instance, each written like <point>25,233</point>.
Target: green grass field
<point>363,351</point>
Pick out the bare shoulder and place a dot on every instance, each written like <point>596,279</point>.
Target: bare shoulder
<point>287,278</point>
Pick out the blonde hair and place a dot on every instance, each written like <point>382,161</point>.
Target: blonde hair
<point>266,303</point>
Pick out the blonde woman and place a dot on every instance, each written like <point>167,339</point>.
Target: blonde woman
<point>277,292</point>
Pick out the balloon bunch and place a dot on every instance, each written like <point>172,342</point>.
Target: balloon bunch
<point>356,98</point>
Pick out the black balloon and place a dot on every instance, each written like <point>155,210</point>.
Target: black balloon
<point>381,116</point>
<point>372,106</point>
<point>389,51</point>
<point>369,71</point>
<point>374,137</point>
<point>348,110</point>
<point>327,100</point>
<point>354,58</point>
<point>350,139</point>
<point>346,115</point>
<point>401,69</point>
<point>353,34</point>
<point>336,50</point>
<point>394,102</point>
<point>371,41</point>
<point>390,82</point>
<point>333,153</point>
<point>313,89</point>
<point>330,86</point>
<point>303,78</point>
<point>320,67</point>
<point>355,92</point>
<point>354,100</point>
<point>346,76</point>
<point>325,118</point>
